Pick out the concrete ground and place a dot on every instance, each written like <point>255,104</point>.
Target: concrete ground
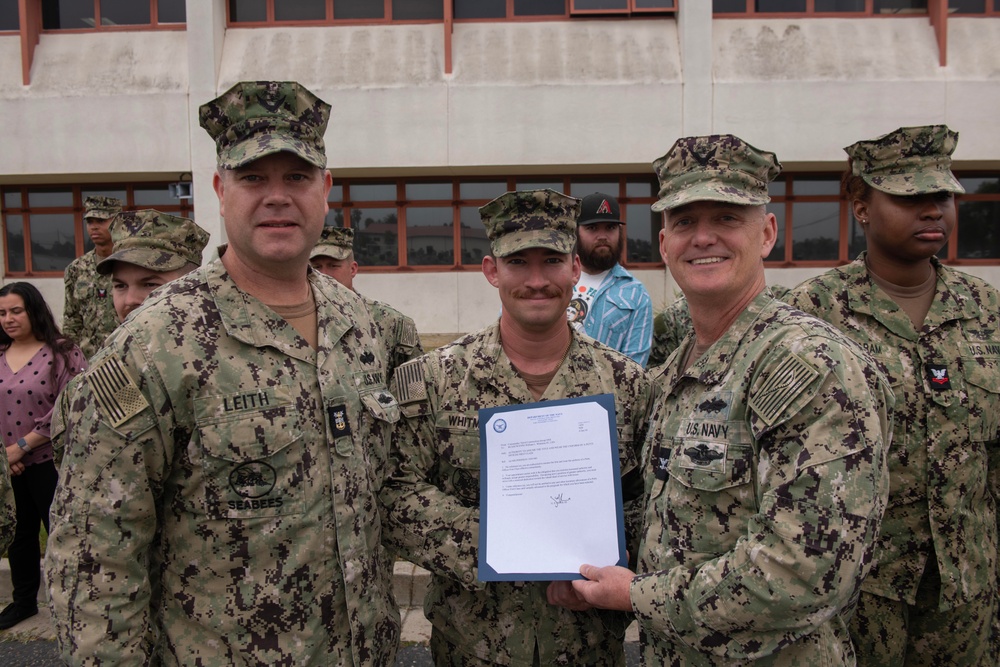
<point>31,643</point>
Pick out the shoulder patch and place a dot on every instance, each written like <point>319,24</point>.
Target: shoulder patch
<point>786,382</point>
<point>117,394</point>
<point>408,333</point>
<point>410,384</point>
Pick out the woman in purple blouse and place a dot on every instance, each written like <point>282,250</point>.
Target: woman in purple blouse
<point>36,362</point>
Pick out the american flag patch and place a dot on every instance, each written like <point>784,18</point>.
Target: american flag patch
<point>117,395</point>
<point>408,335</point>
<point>410,385</point>
<point>782,386</point>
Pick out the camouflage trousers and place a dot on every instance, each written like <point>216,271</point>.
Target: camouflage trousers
<point>890,633</point>
<point>446,654</point>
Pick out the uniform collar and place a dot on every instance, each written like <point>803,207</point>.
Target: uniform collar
<point>248,320</point>
<point>952,299</point>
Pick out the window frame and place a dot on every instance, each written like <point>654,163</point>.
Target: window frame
<point>569,12</point>
<point>576,184</point>
<point>991,8</point>
<point>184,208</point>
<point>154,22</point>
<point>270,21</point>
<point>629,10</point>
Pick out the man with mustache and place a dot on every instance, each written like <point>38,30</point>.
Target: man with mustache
<point>432,499</point>
<point>616,308</point>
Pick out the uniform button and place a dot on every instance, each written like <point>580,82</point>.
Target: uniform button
<point>467,577</point>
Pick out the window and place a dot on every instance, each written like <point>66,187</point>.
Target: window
<point>978,233</point>
<point>262,12</point>
<point>981,7</point>
<point>823,7</point>
<point>327,11</point>
<point>9,15</point>
<point>817,228</point>
<point>620,6</point>
<point>43,226</point>
<point>435,224</point>
<point>101,14</point>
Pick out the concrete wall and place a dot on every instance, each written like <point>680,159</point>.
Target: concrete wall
<point>577,96</point>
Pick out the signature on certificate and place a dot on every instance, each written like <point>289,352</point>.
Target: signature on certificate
<point>559,500</point>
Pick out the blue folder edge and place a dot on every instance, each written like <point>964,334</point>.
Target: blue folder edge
<point>487,573</point>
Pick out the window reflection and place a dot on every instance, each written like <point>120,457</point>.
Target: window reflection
<point>429,236</point>
<point>14,243</point>
<point>815,231</point>
<point>642,231</point>
<point>475,244</point>
<point>376,236</point>
<point>53,245</point>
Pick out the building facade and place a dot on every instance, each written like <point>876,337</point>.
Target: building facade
<point>441,105</point>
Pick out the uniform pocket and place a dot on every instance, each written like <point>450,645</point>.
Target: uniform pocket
<point>249,467</point>
<point>710,494</point>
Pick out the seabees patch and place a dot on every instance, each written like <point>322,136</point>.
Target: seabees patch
<point>785,382</point>
<point>117,394</point>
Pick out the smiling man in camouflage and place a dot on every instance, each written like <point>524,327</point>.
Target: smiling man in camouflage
<point>765,464</point>
<point>218,505</point>
<point>530,354</point>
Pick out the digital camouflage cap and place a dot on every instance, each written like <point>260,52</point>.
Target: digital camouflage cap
<point>154,240</point>
<point>258,118</point>
<point>908,161</point>
<point>335,242</point>
<point>719,167</point>
<point>102,208</point>
<point>531,219</point>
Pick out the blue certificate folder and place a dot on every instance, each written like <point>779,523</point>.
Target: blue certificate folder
<point>594,408</point>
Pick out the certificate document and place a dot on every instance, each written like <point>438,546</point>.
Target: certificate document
<point>550,489</point>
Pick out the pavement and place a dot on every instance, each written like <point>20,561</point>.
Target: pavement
<point>31,643</point>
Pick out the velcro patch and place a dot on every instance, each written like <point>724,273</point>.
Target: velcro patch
<point>117,394</point>
<point>410,385</point>
<point>408,336</point>
<point>786,381</point>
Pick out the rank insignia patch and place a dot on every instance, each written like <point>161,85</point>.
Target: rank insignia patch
<point>338,420</point>
<point>937,375</point>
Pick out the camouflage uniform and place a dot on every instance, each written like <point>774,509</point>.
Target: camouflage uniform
<point>673,323</point>
<point>268,545</point>
<point>154,240</point>
<point>89,312</point>
<point>759,524</point>
<point>219,501</point>
<point>937,552</point>
<point>397,331</point>
<point>765,468</point>
<point>433,498</point>
<point>670,327</point>
<point>8,515</point>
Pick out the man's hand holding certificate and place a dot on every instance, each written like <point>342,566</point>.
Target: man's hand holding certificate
<point>550,490</point>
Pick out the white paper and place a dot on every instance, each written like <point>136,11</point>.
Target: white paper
<point>550,489</point>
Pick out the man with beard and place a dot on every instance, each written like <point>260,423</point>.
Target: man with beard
<point>616,308</point>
